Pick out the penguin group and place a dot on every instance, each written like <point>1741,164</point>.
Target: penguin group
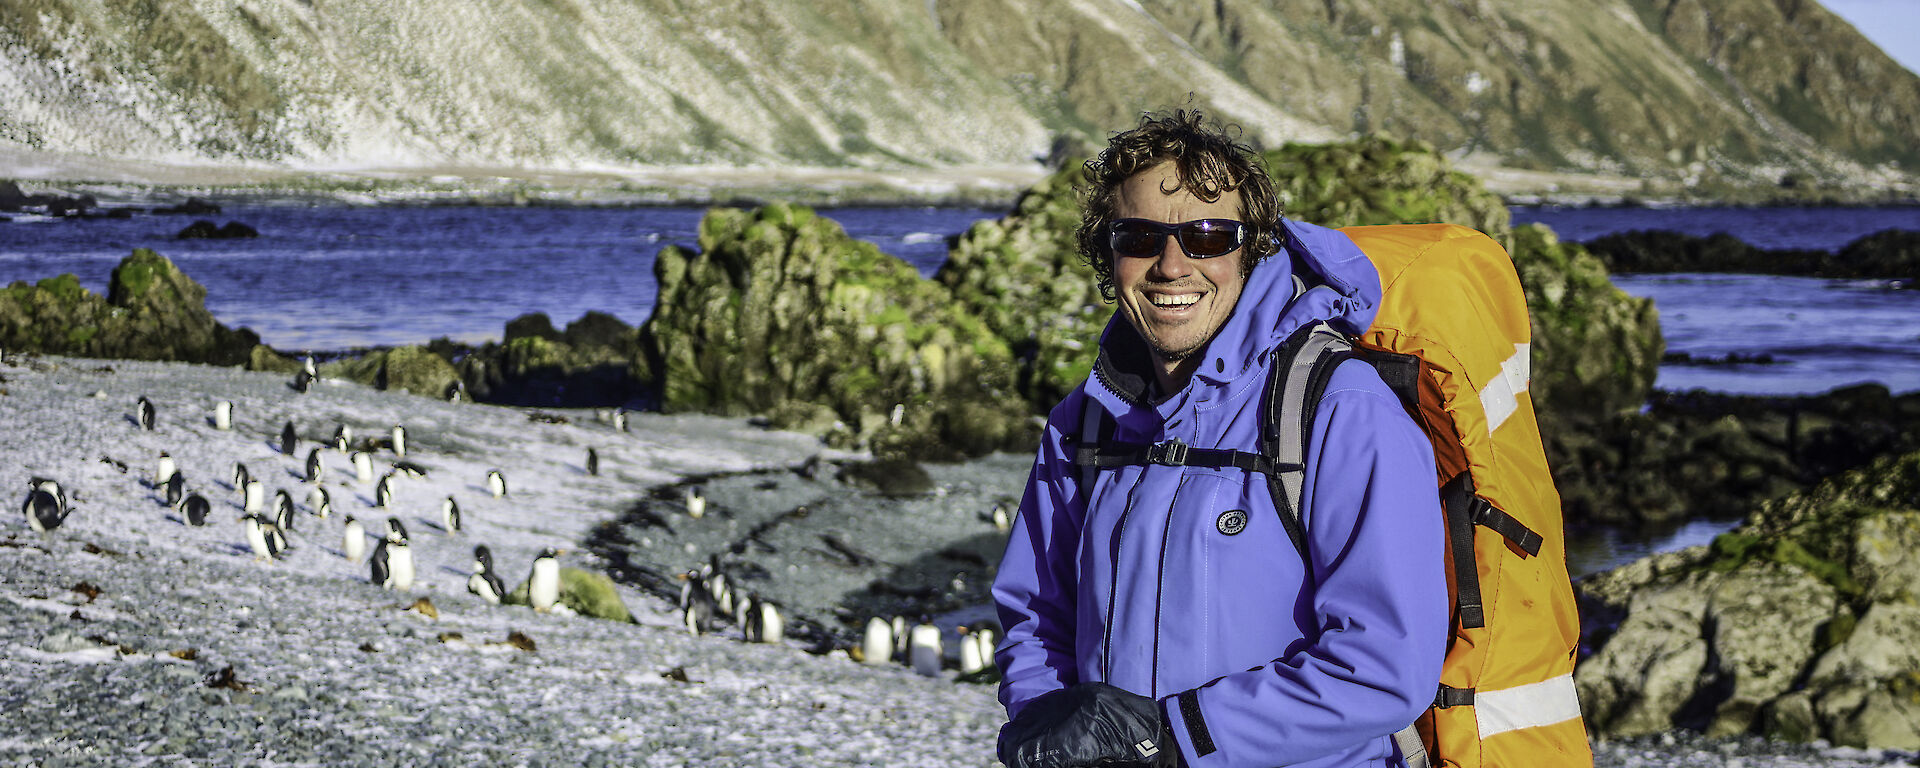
<point>922,646</point>
<point>708,601</point>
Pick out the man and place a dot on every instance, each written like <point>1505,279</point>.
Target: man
<point>1161,615</point>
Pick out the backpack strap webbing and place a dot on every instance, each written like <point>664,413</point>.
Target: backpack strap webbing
<point>1302,366</point>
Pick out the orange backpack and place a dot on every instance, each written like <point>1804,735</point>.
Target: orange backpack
<point>1451,338</point>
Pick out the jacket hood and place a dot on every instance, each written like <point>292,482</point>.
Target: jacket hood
<point>1335,283</point>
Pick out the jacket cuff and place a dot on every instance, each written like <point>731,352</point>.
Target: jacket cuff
<point>1186,726</point>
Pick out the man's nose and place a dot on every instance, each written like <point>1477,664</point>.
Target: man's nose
<point>1173,263</point>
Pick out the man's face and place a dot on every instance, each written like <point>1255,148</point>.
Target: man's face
<point>1175,301</point>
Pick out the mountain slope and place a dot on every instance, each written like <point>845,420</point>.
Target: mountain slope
<point>1676,90</point>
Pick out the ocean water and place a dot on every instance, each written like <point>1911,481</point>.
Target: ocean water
<point>337,277</point>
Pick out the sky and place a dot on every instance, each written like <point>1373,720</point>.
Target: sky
<point>1894,25</point>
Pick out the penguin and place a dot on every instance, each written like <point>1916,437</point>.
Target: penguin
<point>362,466</point>
<point>223,415</point>
<point>876,644</point>
<point>254,494</point>
<point>176,488</point>
<point>283,510</point>
<point>593,462</point>
<point>289,440</point>
<point>924,649</point>
<point>456,391</point>
<point>263,538</point>
<point>620,419</point>
<point>44,512</point>
<point>163,469</point>
<point>497,483</point>
<point>51,487</point>
<point>241,477</point>
<point>302,382</point>
<point>399,440</point>
<point>342,437</point>
<point>383,493</point>
<point>977,643</point>
<point>353,541</point>
<point>698,614</point>
<point>319,502</point>
<point>900,638</point>
<point>692,582</point>
<point>450,515</point>
<point>484,582</point>
<point>763,623</point>
<point>195,508</point>
<point>1002,520</point>
<point>696,502</point>
<point>307,367</point>
<point>410,469</point>
<point>144,411</point>
<point>316,469</point>
<point>392,561</point>
<point>543,585</point>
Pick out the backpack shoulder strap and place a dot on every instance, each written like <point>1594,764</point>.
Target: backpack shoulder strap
<point>1096,428</point>
<point>1298,377</point>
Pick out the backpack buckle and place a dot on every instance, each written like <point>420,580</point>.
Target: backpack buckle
<point>1172,453</point>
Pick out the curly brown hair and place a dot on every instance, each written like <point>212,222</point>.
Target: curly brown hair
<point>1209,161</point>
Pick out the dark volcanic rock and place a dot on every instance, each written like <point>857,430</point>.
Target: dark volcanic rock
<point>1892,254</point>
<point>1800,624</point>
<point>204,229</point>
<point>152,312</point>
<point>192,207</point>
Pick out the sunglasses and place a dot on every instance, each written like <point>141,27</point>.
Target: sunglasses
<point>1200,238</point>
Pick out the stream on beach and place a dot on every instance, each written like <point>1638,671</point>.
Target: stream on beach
<point>335,277</point>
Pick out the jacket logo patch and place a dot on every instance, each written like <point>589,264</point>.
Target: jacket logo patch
<point>1232,521</point>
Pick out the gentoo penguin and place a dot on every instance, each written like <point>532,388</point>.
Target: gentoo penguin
<point>924,648</point>
<point>51,488</point>
<point>484,582</point>
<point>353,540</point>
<point>316,469</point>
<point>302,382</point>
<point>450,515</point>
<point>223,415</point>
<point>195,508</point>
<point>289,440</point>
<point>900,638</point>
<point>44,512</point>
<point>392,559</point>
<point>456,391</point>
<point>319,502</point>
<point>763,623</point>
<point>163,469</point>
<point>696,502</point>
<point>497,483</point>
<point>241,477</point>
<point>307,367</point>
<point>283,510</point>
<point>176,488</point>
<point>876,644</point>
<point>543,585</point>
<point>383,493</point>
<point>399,440</point>
<point>977,642</point>
<point>593,462</point>
<point>342,437</point>
<point>144,412</point>
<point>264,538</point>
<point>410,469</point>
<point>253,494</point>
<point>698,613</point>
<point>1002,520</point>
<point>620,419</point>
<point>362,466</point>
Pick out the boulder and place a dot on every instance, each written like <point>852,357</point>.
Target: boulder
<point>409,369</point>
<point>205,230</point>
<point>588,593</point>
<point>152,311</point>
<point>1596,350</point>
<point>780,305</point>
<point>1890,254</point>
<point>1800,624</point>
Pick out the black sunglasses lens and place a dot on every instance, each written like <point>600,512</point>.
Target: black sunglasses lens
<point>1136,238</point>
<point>1209,237</point>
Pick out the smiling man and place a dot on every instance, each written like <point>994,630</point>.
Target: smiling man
<point>1159,608</point>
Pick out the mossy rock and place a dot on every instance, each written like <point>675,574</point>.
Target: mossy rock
<point>588,593</point>
<point>152,311</point>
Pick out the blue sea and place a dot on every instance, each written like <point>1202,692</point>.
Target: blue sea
<point>337,277</point>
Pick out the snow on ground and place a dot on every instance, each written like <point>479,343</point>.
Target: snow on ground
<point>329,669</point>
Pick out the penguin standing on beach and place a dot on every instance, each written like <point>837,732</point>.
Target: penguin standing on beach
<point>43,510</point>
<point>176,488</point>
<point>263,538</point>
<point>253,495</point>
<point>619,419</point>
<point>319,502</point>
<point>143,413</point>
<point>697,610</point>
<point>399,440</point>
<point>977,642</point>
<point>593,462</point>
<point>383,493</point>
<point>164,469</point>
<point>283,510</point>
<point>876,644</point>
<point>195,508</point>
<point>316,469</point>
<point>543,585</point>
<point>362,467</point>
<point>763,623</point>
<point>342,438</point>
<point>241,477</point>
<point>392,560</point>
<point>497,483</point>
<point>450,516</point>
<point>924,648</point>
<point>289,440</point>
<point>696,502</point>
<point>223,415</point>
<point>353,540</point>
<point>484,582</point>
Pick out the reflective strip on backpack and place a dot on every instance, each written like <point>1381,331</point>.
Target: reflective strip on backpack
<point>1501,397</point>
<point>1526,706</point>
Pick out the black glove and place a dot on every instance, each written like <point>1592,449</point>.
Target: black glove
<point>1090,724</point>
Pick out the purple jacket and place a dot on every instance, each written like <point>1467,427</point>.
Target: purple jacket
<point>1257,658</point>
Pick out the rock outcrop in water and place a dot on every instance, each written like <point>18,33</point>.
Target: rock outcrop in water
<point>1892,254</point>
<point>152,311</point>
<point>1800,624</point>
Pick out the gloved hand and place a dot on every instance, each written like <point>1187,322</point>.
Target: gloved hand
<point>1090,724</point>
